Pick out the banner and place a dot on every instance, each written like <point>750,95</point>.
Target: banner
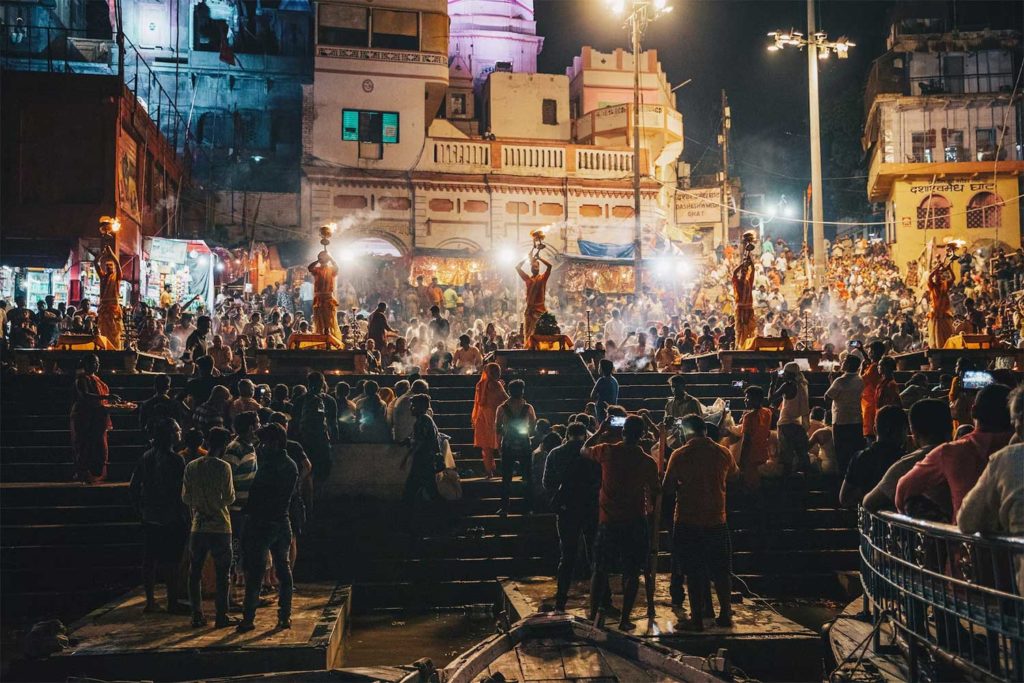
<point>127,176</point>
<point>605,250</point>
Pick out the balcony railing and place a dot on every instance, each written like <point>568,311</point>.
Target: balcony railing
<point>552,161</point>
<point>955,600</point>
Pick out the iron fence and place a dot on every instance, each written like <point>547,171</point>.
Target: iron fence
<point>955,599</point>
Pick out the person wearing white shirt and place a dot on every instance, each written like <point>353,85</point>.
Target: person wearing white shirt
<point>847,420</point>
<point>615,329</point>
<point>399,413</point>
<point>767,259</point>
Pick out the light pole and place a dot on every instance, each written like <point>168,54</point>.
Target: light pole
<point>641,13</point>
<point>819,47</point>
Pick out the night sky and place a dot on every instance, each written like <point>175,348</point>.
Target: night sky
<point>722,44</point>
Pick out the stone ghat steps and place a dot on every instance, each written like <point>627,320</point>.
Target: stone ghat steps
<point>67,547</point>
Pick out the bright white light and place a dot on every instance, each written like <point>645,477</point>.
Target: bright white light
<point>789,210</point>
<point>347,256</point>
<point>507,256</point>
<point>202,260</point>
<point>220,267</point>
<point>662,268</point>
<point>773,211</point>
<point>660,4</point>
<point>617,6</point>
<point>684,268</point>
<point>824,53</point>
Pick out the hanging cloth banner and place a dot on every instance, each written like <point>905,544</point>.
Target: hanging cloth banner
<point>605,250</point>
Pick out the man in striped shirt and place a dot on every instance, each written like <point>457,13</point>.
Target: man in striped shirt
<point>241,456</point>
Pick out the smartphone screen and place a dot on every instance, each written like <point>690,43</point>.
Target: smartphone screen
<point>618,421</point>
<point>738,384</point>
<point>976,379</point>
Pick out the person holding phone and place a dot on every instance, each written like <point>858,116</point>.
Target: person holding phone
<point>794,418</point>
<point>628,475</point>
<point>515,422</point>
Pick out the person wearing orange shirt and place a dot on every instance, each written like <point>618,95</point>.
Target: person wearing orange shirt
<point>757,426</point>
<point>325,307</point>
<point>872,378</point>
<point>888,391</point>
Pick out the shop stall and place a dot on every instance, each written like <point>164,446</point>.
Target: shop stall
<point>186,265</point>
<point>34,269</point>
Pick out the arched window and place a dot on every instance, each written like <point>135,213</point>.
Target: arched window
<point>985,210</point>
<point>933,213</point>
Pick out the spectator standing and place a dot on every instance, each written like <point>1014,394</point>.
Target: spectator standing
<point>155,489</point>
<point>306,291</point>
<point>606,389</point>
<point>373,416</point>
<point>869,465</point>
<point>378,328</point>
<point>794,419</point>
<point>268,527</point>
<point>628,476</point>
<point>90,423</point>
<point>847,428</point>
<point>160,405</point>
<point>871,377</point>
<point>315,424</point>
<point>207,490</point>
<point>959,464</point>
<point>425,453</point>
<point>488,396</point>
<point>887,393</point>
<point>700,537</point>
<point>514,424</point>
<point>215,411</point>
<point>572,483</point>
<point>240,454</point>
<point>756,425</point>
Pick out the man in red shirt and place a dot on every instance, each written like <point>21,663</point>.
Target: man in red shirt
<point>700,538</point>
<point>628,474</point>
<point>958,464</point>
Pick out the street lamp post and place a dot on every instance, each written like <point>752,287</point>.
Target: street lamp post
<point>641,13</point>
<point>819,47</point>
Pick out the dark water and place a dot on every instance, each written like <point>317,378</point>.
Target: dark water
<point>388,638</point>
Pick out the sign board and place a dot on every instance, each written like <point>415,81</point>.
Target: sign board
<point>361,125</point>
<point>699,205</point>
<point>168,251</point>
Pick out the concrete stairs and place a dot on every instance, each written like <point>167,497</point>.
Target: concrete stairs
<point>66,548</point>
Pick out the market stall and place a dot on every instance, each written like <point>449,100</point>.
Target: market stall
<point>186,265</point>
<point>449,270</point>
<point>34,269</point>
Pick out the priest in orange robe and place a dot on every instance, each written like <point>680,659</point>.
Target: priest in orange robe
<point>109,316</point>
<point>325,306</point>
<point>536,290</point>
<point>940,323</point>
<point>743,289</point>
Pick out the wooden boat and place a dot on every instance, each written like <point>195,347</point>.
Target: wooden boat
<point>560,647</point>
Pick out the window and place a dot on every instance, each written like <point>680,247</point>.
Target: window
<point>549,112</point>
<point>953,144</point>
<point>395,30</point>
<point>933,213</point>
<point>985,146</point>
<point>343,25</point>
<point>985,210</point>
<point>434,33</point>
<point>922,145</point>
<point>457,104</point>
<point>359,125</point>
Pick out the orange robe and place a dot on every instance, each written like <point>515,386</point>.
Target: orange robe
<point>536,290</point>
<point>489,395</point>
<point>868,397</point>
<point>325,306</point>
<point>109,316</point>
<point>940,323</point>
<point>746,326</point>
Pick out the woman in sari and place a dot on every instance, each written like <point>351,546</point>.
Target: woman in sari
<point>90,423</point>
<point>490,393</point>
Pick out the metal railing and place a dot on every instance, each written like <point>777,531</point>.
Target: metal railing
<point>955,600</point>
<point>54,49</point>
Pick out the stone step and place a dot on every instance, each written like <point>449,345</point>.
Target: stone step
<point>63,493</point>
<point>63,514</point>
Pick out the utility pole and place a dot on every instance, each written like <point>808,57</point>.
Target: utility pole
<point>817,208</point>
<point>637,223</point>
<point>723,142</point>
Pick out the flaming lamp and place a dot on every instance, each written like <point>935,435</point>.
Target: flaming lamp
<point>326,233</point>
<point>109,227</point>
<point>538,236</point>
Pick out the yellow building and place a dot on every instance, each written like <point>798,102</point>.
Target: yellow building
<point>943,132</point>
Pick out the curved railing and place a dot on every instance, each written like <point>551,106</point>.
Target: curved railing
<point>958,598</point>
